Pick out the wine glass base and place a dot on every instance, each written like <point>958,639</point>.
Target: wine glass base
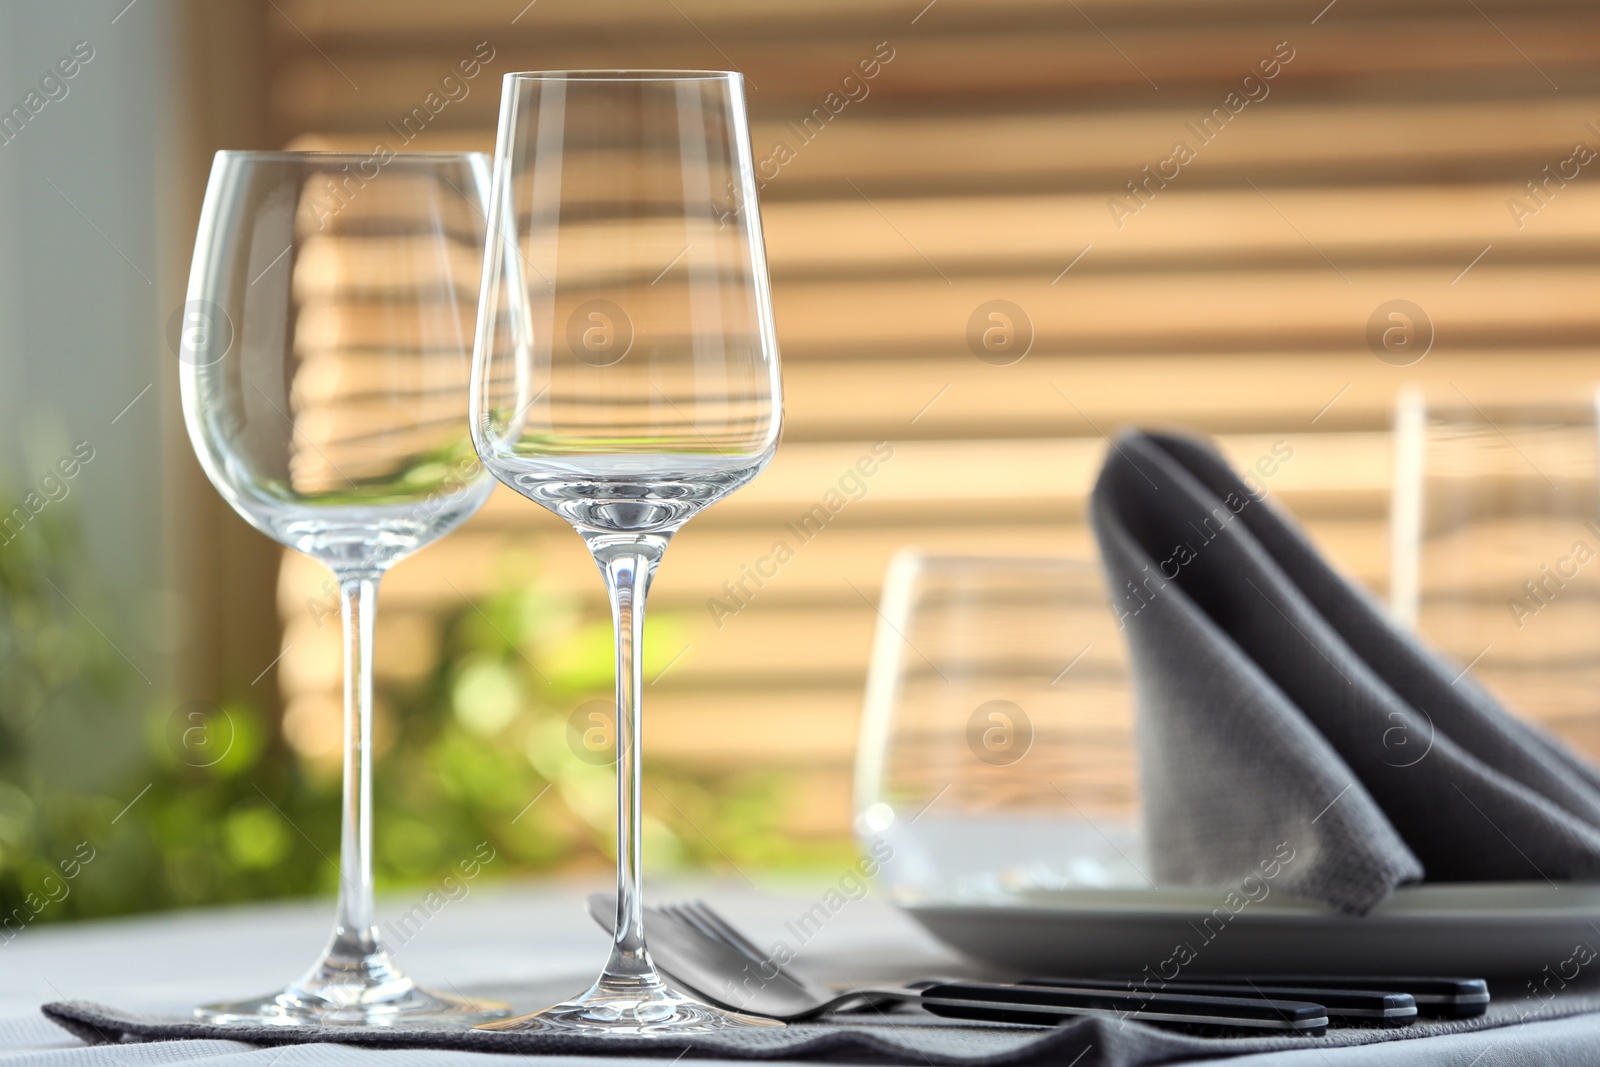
<point>409,1007</point>
<point>660,1012</point>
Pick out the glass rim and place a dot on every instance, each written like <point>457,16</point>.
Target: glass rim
<point>283,155</point>
<point>622,75</point>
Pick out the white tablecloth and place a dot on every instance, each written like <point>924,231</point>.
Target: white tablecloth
<point>538,936</point>
<point>535,935</point>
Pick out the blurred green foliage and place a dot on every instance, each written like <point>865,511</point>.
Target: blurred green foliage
<point>497,742</point>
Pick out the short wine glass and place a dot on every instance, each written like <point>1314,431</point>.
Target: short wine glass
<point>326,357</point>
<point>997,759</point>
<point>625,377</point>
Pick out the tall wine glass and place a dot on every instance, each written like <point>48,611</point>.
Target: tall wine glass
<point>1496,529</point>
<point>325,352</point>
<point>625,377</point>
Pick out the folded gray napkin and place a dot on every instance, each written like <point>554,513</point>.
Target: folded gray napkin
<point>1277,705</point>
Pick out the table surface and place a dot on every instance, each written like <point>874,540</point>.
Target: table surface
<point>534,935</point>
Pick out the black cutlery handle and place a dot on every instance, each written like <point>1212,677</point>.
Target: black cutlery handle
<point>1436,996</point>
<point>1374,1006</point>
<point>1050,1005</point>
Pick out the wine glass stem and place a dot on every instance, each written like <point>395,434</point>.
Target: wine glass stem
<point>628,569</point>
<point>355,933</point>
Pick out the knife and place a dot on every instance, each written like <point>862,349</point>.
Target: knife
<point>1437,997</point>
<point>1358,1005</point>
<point>1053,1004</point>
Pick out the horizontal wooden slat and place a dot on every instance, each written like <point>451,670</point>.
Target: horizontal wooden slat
<point>957,396</point>
<point>840,396</point>
<point>1360,226</point>
<point>1420,225</point>
<point>1321,306</point>
<point>956,50</point>
<point>419,19</point>
<point>1096,151</point>
<point>1311,307</point>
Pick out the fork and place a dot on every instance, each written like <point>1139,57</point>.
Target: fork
<point>704,918</point>
<point>782,993</point>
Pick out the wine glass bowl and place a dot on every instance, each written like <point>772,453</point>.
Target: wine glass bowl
<point>326,402</point>
<point>326,361</point>
<point>625,378</point>
<point>628,251</point>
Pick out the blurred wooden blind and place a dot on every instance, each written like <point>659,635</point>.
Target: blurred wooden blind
<point>1024,151</point>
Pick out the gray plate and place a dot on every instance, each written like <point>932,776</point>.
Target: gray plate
<point>1506,929</point>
